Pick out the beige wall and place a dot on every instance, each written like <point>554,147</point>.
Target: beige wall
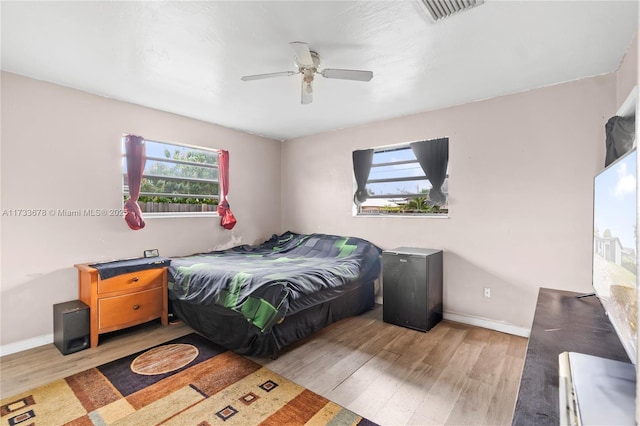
<point>61,149</point>
<point>521,170</point>
<point>627,74</point>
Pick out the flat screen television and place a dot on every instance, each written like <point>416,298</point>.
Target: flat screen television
<point>615,246</point>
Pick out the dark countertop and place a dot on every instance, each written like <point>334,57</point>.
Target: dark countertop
<point>562,323</point>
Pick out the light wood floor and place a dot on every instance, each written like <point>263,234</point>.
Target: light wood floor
<point>455,374</point>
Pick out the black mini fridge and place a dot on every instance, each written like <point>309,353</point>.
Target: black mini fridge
<point>412,287</point>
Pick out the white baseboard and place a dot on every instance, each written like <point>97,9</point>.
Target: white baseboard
<point>33,342</point>
<point>487,323</point>
<point>23,345</point>
<point>480,322</point>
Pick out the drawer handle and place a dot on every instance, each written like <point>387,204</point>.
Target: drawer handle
<point>135,279</point>
<point>136,307</point>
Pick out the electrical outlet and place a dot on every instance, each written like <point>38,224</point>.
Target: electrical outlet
<point>487,292</point>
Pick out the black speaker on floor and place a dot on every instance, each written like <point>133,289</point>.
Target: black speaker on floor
<point>71,326</point>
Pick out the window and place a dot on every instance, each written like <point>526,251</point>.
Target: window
<point>177,179</point>
<point>398,184</point>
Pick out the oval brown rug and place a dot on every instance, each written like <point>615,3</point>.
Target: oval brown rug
<point>164,359</point>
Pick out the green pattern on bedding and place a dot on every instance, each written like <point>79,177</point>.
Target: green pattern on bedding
<point>236,284</point>
<point>345,249</point>
<point>259,312</point>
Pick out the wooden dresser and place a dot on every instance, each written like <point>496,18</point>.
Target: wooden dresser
<point>124,300</point>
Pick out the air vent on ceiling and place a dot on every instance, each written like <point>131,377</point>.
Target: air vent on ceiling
<point>439,9</point>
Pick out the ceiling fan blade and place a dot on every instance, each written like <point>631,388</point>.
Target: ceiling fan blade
<point>307,92</point>
<point>268,75</point>
<point>303,54</point>
<point>347,74</point>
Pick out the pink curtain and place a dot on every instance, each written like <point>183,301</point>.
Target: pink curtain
<point>136,158</point>
<point>227,220</point>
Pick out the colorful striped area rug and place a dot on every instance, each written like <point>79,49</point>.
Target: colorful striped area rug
<point>188,381</point>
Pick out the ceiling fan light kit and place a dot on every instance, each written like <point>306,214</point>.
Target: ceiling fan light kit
<point>307,61</point>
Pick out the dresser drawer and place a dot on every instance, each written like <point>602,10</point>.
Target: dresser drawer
<point>132,281</point>
<point>130,309</point>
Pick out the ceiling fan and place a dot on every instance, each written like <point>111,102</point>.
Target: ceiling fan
<point>307,62</point>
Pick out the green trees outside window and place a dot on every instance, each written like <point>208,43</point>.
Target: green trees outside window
<point>177,179</point>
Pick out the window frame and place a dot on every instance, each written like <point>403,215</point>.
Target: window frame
<point>173,214</point>
<point>357,209</point>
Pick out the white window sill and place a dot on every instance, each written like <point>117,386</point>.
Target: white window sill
<point>412,216</point>
<point>173,215</point>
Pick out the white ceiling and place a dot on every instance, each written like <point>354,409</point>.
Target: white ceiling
<point>188,57</point>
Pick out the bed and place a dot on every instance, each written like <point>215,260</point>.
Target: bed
<point>257,299</point>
